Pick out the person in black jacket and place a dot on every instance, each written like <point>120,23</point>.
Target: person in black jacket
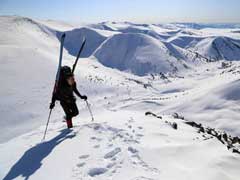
<point>64,94</point>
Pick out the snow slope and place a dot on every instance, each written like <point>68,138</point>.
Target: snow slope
<point>133,135</point>
<point>137,53</point>
<point>57,25</point>
<point>219,48</point>
<point>28,51</point>
<point>94,40</point>
<point>130,146</point>
<point>185,41</point>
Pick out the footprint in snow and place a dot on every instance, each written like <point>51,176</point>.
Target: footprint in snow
<point>110,165</point>
<point>142,178</point>
<point>96,146</point>
<point>81,164</point>
<point>112,153</point>
<point>110,145</point>
<point>84,156</point>
<point>97,171</point>
<point>137,160</point>
<point>132,150</point>
<point>97,139</point>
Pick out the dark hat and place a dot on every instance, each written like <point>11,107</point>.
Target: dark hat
<point>66,71</point>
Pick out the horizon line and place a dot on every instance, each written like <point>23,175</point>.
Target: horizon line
<point>121,21</point>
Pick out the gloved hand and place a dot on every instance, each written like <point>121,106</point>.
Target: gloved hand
<point>52,104</point>
<point>84,97</point>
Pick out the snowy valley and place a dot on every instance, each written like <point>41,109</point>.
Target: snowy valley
<point>165,100</point>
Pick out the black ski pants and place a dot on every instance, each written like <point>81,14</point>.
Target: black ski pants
<point>70,109</point>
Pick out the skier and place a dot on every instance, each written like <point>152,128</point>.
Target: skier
<point>64,93</point>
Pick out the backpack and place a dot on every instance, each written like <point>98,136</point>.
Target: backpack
<point>65,72</point>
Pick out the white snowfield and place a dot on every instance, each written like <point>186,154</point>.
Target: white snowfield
<point>165,100</point>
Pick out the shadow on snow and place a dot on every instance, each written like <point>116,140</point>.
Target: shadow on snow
<point>31,160</point>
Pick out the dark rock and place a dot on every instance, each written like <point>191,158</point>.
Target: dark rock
<point>193,124</point>
<point>175,126</point>
<point>177,116</point>
<point>202,130</point>
<point>219,137</point>
<point>235,140</point>
<point>150,113</point>
<point>236,151</point>
<point>214,133</point>
<point>225,137</point>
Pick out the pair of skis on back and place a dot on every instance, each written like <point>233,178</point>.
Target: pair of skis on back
<point>60,59</point>
<point>58,75</point>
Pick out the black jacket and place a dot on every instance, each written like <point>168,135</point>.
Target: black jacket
<point>64,92</point>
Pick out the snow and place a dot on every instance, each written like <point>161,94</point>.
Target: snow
<point>219,48</point>
<point>185,41</point>
<point>59,25</point>
<point>230,91</point>
<point>133,54</point>
<point>94,40</point>
<point>134,106</point>
<point>26,53</point>
<point>159,150</point>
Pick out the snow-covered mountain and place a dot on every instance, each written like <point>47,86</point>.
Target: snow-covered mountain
<point>207,25</point>
<point>185,41</point>
<point>28,55</point>
<point>161,109</point>
<point>94,39</point>
<point>208,41</point>
<point>219,48</point>
<point>141,55</point>
<point>137,53</point>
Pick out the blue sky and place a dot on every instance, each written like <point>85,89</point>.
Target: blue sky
<point>153,11</point>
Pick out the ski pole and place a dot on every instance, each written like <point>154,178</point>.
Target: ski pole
<point>47,125</point>
<point>89,110</point>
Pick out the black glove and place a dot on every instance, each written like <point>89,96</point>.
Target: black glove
<point>52,104</point>
<point>84,97</point>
